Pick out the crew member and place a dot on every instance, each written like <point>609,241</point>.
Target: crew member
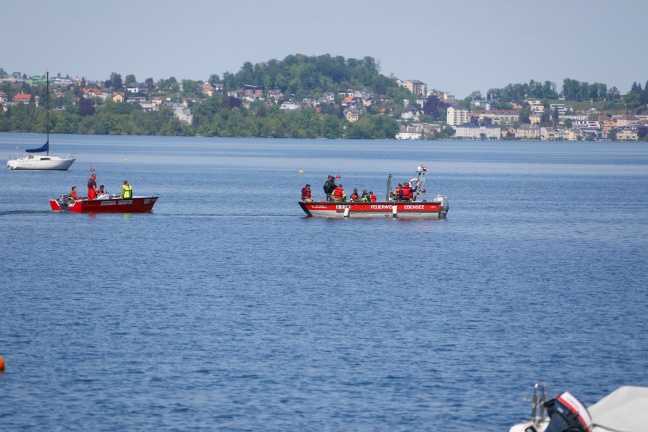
<point>92,187</point>
<point>306,193</point>
<point>338,194</point>
<point>100,191</point>
<point>406,192</point>
<point>355,197</point>
<point>373,197</point>
<point>365,196</point>
<point>72,196</point>
<point>329,187</point>
<point>398,192</point>
<point>127,191</point>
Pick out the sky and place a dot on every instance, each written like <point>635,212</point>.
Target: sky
<point>456,46</point>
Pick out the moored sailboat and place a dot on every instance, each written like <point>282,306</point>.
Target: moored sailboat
<point>37,161</point>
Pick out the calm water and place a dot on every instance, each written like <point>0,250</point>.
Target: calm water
<point>227,309</point>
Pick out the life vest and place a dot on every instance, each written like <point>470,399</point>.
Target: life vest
<point>373,198</point>
<point>127,191</point>
<point>355,197</point>
<point>306,193</point>
<point>407,192</point>
<point>338,193</point>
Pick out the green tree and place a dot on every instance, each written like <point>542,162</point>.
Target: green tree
<point>130,79</point>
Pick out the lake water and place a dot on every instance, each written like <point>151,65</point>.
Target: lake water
<point>227,309</point>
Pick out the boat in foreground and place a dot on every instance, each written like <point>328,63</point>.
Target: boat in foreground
<point>39,161</point>
<point>392,207</point>
<point>625,409</point>
<point>105,204</point>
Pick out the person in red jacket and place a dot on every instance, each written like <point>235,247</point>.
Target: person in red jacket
<point>306,193</point>
<point>373,197</point>
<point>406,192</point>
<point>92,187</point>
<point>355,196</point>
<point>338,194</point>
<point>72,196</point>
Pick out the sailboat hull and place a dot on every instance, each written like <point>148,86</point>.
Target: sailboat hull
<point>41,162</point>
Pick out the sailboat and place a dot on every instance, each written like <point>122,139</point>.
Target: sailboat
<point>36,161</point>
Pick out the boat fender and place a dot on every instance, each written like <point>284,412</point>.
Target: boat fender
<point>394,211</point>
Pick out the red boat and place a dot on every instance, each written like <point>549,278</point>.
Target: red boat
<point>417,208</point>
<point>105,204</point>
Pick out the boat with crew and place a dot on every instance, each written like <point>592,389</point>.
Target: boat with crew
<point>45,161</point>
<point>391,207</point>
<point>625,409</point>
<point>105,204</point>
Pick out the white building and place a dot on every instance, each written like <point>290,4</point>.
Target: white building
<point>457,116</point>
<point>473,131</point>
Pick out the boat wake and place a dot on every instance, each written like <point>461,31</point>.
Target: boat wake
<point>23,212</point>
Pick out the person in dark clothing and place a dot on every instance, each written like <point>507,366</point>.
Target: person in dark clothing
<point>329,187</point>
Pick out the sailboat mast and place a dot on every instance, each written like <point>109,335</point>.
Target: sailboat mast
<point>47,99</point>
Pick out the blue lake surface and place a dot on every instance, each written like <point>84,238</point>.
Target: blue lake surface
<point>228,309</point>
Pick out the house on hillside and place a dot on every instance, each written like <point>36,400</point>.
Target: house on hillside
<point>414,86</point>
<point>23,98</point>
<point>91,93</point>
<point>118,96</point>
<point>352,114</point>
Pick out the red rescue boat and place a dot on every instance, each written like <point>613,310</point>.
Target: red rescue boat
<point>392,207</point>
<point>105,204</point>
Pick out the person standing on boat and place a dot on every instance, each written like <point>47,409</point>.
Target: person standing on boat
<point>72,196</point>
<point>329,187</point>
<point>127,191</point>
<point>338,194</point>
<point>92,187</point>
<point>306,193</point>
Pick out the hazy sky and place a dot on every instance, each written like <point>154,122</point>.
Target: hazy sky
<point>452,45</point>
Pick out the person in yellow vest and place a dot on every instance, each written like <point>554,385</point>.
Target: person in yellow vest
<point>127,191</point>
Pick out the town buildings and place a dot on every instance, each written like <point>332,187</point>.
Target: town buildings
<point>555,121</point>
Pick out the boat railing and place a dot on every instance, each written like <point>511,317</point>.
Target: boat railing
<point>538,410</point>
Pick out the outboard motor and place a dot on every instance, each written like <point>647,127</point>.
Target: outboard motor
<point>63,202</point>
<point>567,414</point>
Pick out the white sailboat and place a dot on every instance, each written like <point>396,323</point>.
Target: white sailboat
<point>36,161</point>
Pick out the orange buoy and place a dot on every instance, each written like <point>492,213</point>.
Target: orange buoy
<point>1,364</point>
